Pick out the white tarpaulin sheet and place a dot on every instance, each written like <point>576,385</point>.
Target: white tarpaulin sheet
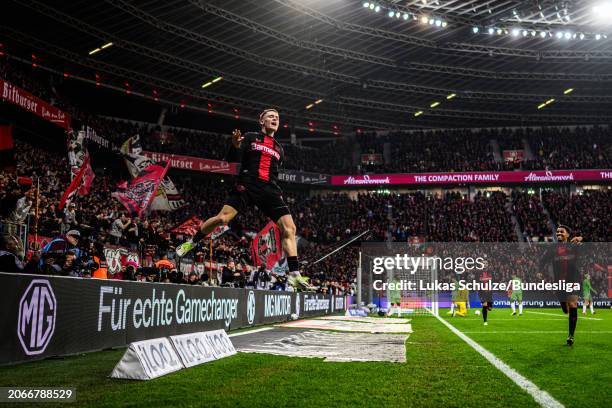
<point>349,326</point>
<point>387,320</point>
<point>331,346</point>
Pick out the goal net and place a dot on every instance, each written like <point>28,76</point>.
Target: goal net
<point>396,290</point>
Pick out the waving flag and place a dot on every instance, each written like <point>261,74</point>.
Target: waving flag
<point>75,185</point>
<point>142,189</point>
<point>7,148</point>
<point>266,246</point>
<point>188,227</point>
<point>167,197</point>
<point>77,153</point>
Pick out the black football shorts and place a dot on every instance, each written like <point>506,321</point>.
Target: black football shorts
<point>268,198</point>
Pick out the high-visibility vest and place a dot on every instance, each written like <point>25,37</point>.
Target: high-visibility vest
<point>102,271</point>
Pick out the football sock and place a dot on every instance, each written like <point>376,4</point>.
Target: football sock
<point>294,265</point>
<point>591,307</point>
<point>573,319</point>
<point>485,311</point>
<point>521,308</point>
<point>584,308</point>
<point>197,237</point>
<point>513,306</point>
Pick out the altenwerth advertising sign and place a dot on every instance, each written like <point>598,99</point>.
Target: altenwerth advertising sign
<point>484,177</point>
<point>47,316</point>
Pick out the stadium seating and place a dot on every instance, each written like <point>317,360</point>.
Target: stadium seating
<point>325,219</point>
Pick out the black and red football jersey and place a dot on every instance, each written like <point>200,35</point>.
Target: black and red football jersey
<point>260,157</point>
<point>564,259</point>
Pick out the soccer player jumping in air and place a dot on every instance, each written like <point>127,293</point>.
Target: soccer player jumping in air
<point>260,156</point>
<point>564,258</point>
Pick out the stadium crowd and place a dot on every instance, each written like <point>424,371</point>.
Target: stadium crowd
<point>417,151</point>
<point>530,216</point>
<point>92,222</point>
<point>322,219</point>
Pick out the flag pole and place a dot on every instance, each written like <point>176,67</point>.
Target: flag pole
<point>210,274</point>
<point>35,246</point>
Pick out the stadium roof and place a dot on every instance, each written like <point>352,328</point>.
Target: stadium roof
<point>366,69</point>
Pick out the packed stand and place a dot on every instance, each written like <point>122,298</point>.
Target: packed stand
<point>457,150</point>
<point>530,216</point>
<point>564,148</point>
<point>435,151</point>
<point>587,214</point>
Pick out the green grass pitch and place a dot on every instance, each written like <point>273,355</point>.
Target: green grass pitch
<point>441,370</point>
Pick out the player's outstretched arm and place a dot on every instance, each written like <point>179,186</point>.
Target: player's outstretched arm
<point>237,138</point>
<point>234,155</point>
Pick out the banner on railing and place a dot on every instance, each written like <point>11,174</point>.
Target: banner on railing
<point>513,155</point>
<point>33,104</point>
<point>117,257</point>
<point>193,163</point>
<point>303,177</point>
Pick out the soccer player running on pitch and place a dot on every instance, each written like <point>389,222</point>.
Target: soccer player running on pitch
<point>486,296</point>
<point>516,295</point>
<point>587,299</point>
<point>564,259</point>
<point>260,156</point>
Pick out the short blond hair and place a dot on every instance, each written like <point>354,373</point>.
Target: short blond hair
<point>261,115</point>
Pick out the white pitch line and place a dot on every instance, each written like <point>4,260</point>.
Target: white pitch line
<point>516,319</point>
<point>542,397</point>
<point>535,332</point>
<point>250,331</point>
<point>556,314</point>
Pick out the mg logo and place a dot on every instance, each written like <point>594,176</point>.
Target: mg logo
<point>37,311</point>
<point>251,307</point>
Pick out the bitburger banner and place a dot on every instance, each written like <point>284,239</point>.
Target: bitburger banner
<point>193,163</point>
<point>25,100</point>
<point>48,316</point>
<point>218,166</point>
<point>303,177</point>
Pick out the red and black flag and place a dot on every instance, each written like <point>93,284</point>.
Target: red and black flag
<point>188,227</point>
<point>75,185</point>
<point>7,148</point>
<point>142,189</point>
<point>77,153</point>
<point>266,246</point>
